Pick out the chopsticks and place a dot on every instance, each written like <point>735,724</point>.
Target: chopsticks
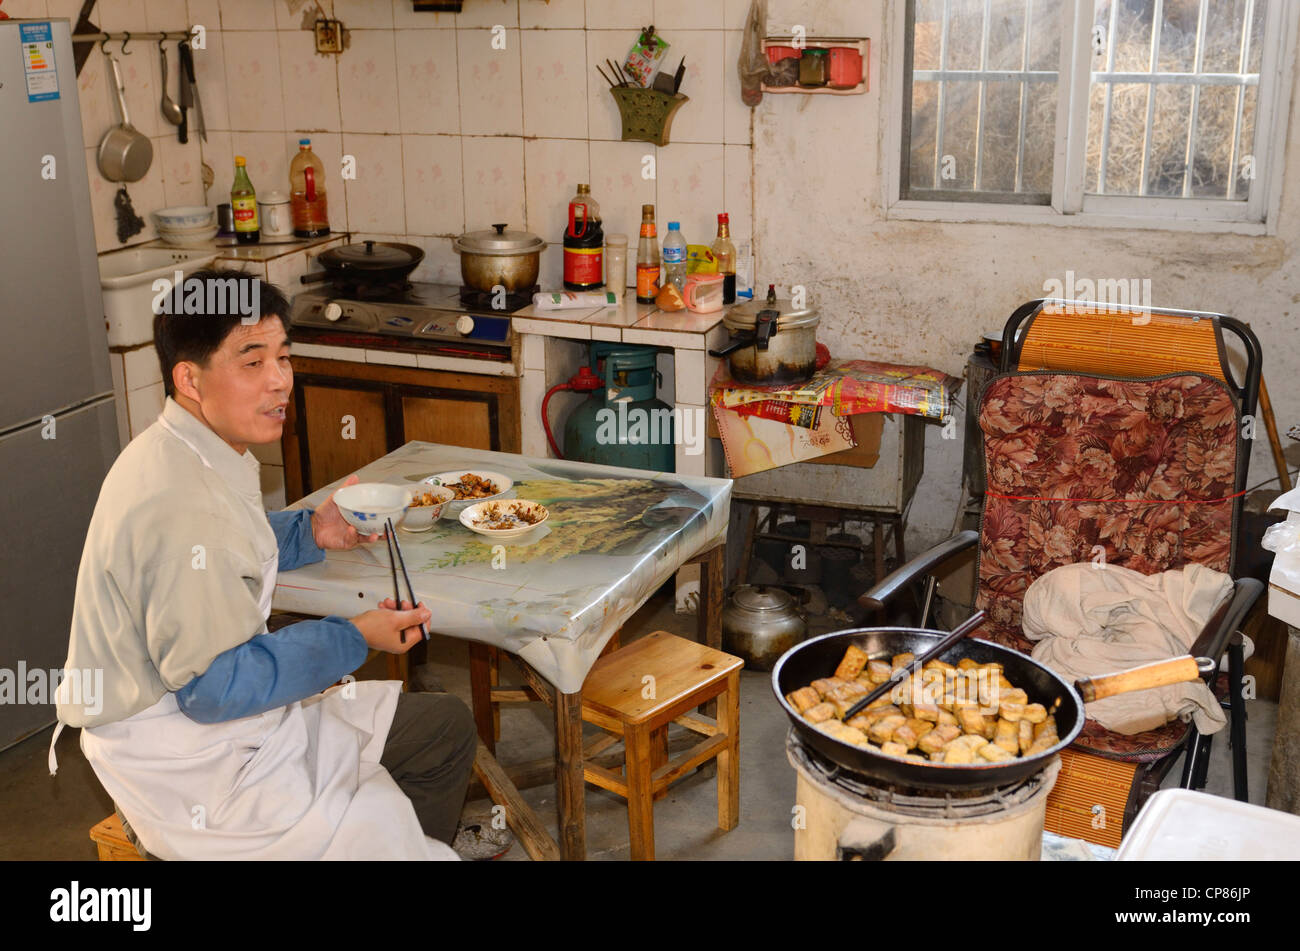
<point>390,537</point>
<point>903,673</point>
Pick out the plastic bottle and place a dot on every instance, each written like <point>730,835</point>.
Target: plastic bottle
<point>584,244</point>
<point>647,258</point>
<point>307,201</point>
<point>616,264</point>
<point>243,201</point>
<point>725,254</point>
<point>675,255</point>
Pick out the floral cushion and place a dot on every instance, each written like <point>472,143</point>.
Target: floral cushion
<point>1139,473</point>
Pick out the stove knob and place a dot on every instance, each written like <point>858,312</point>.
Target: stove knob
<point>464,325</point>
<point>333,311</point>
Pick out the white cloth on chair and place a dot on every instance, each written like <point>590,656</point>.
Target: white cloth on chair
<point>1090,619</point>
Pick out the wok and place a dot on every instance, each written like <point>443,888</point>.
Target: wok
<point>819,656</point>
<point>370,262</point>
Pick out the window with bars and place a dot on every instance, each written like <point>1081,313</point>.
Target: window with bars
<point>1148,107</point>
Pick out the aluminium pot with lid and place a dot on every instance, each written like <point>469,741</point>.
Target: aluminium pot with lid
<point>760,623</point>
<point>773,342</point>
<point>498,256</point>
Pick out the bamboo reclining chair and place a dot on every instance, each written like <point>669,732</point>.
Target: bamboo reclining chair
<point>1113,432</point>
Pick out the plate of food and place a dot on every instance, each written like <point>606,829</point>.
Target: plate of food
<point>470,486</point>
<point>503,518</point>
<point>426,507</point>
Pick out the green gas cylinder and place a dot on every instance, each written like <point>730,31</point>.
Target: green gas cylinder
<point>623,424</point>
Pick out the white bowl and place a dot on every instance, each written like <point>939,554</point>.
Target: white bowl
<point>185,217</point>
<point>188,239</point>
<point>478,510</point>
<point>365,505</point>
<point>420,518</point>
<point>503,484</point>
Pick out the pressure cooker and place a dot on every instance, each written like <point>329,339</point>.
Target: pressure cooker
<point>773,342</point>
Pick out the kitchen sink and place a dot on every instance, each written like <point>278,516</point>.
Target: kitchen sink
<point>127,277</point>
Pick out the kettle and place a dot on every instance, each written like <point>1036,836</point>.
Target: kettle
<point>760,623</point>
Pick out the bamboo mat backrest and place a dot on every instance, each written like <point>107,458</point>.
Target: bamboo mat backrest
<point>1089,339</point>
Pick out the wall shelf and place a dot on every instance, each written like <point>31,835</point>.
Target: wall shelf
<point>861,45</point>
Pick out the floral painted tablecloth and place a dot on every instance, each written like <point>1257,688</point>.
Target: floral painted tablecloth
<point>555,596</point>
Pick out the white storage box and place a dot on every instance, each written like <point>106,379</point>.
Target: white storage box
<point>1181,824</point>
<point>1284,540</point>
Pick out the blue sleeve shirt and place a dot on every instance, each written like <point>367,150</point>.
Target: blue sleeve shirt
<point>273,670</point>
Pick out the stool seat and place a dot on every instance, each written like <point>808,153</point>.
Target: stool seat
<point>617,689</point>
<point>635,693</point>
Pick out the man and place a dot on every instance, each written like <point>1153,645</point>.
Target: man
<point>212,735</point>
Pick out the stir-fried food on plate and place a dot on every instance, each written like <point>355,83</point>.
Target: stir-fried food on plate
<point>472,486</point>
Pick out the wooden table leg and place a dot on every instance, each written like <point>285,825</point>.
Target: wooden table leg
<point>494,680</point>
<point>640,801</point>
<point>709,611</point>
<point>729,759</point>
<point>746,545</point>
<point>570,801</point>
<point>480,687</point>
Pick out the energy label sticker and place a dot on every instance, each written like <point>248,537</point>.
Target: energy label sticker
<point>38,61</point>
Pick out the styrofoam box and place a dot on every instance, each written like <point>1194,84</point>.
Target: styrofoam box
<point>1181,824</point>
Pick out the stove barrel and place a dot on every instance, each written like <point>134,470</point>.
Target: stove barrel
<point>844,816</point>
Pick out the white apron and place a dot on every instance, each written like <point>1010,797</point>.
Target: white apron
<point>301,781</point>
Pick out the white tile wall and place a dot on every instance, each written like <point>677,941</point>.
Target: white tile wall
<point>449,133</point>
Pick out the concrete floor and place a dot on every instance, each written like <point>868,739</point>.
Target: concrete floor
<point>44,817</point>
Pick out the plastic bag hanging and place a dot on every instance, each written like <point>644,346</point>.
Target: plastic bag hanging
<point>752,65</point>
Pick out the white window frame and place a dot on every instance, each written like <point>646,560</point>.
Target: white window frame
<point>1070,206</point>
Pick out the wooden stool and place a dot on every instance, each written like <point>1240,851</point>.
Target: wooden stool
<point>635,693</point>
<point>112,842</point>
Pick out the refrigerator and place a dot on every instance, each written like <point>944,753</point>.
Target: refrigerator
<point>58,424</point>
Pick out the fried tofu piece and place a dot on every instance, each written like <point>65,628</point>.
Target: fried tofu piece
<point>937,756</point>
<point>946,718</point>
<point>1042,744</point>
<point>955,755</point>
<point>849,691</point>
<point>1011,711</point>
<point>1024,735</point>
<point>843,732</point>
<point>905,735</point>
<point>855,658</point>
<point>805,698</point>
<point>882,731</point>
<point>1047,725</point>
<point>874,713</point>
<point>939,737</point>
<point>994,753</point>
<point>902,660</point>
<point>949,670</point>
<point>819,713</point>
<point>967,663</point>
<point>878,670</point>
<point>969,718</point>
<point>893,749</point>
<point>1007,735</point>
<point>970,740</point>
<point>913,758</point>
<point>826,685</point>
<point>921,727</point>
<point>926,711</point>
<point>1015,695</point>
<point>1035,712</point>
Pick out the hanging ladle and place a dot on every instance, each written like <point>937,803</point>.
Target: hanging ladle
<point>170,110</point>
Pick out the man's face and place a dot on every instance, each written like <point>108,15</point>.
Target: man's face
<point>243,391</point>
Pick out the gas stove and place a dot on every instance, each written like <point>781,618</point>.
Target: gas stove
<point>425,317</point>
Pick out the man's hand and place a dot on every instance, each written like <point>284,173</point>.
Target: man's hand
<point>383,628</point>
<point>330,530</point>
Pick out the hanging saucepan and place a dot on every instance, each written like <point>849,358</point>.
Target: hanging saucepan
<point>370,262</point>
<point>497,257</point>
<point>125,154</point>
<point>818,657</point>
<point>773,343</point>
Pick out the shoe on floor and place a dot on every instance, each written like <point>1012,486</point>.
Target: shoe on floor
<point>423,680</point>
<point>477,841</point>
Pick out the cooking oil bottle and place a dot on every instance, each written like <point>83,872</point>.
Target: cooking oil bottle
<point>243,201</point>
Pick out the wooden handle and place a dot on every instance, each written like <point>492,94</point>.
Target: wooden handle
<point>1160,674</point>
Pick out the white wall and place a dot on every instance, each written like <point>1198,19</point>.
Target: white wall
<point>920,292</point>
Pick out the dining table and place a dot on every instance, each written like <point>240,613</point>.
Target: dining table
<point>552,599</point>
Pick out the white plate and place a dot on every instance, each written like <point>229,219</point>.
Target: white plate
<point>475,511</point>
<point>456,506</point>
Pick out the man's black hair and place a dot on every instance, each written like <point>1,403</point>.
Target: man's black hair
<point>181,335</point>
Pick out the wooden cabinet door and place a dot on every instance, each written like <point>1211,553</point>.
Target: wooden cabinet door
<point>452,419</point>
<point>345,427</point>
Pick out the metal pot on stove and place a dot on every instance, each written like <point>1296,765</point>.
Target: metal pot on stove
<point>499,258</point>
<point>773,343</point>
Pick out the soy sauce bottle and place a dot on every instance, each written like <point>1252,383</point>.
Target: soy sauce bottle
<point>584,244</point>
<point>243,201</point>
